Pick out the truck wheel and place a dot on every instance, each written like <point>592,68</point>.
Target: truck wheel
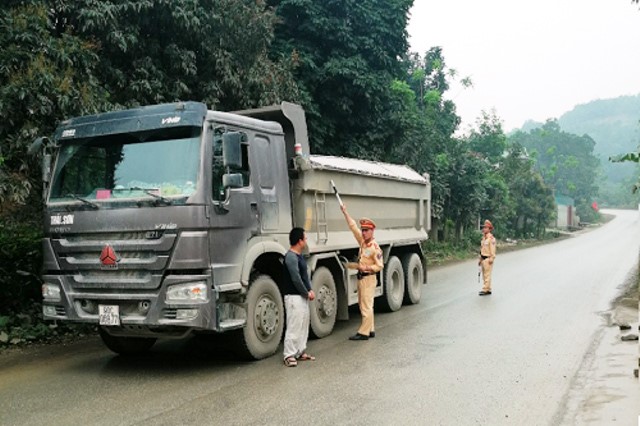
<point>126,345</point>
<point>393,294</point>
<point>324,307</point>
<point>262,333</point>
<point>414,278</point>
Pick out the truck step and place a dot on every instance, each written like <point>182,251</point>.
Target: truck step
<point>232,324</point>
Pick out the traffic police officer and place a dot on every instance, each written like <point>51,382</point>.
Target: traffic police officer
<point>487,256</point>
<point>369,264</point>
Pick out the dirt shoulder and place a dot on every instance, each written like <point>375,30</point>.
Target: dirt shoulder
<point>605,389</point>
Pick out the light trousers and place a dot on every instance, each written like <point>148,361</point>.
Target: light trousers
<point>486,274</point>
<point>366,290</point>
<point>297,332</point>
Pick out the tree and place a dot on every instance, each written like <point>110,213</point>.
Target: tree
<point>45,75</point>
<point>154,51</point>
<point>632,157</point>
<point>533,203</point>
<point>431,147</point>
<point>489,138</point>
<point>347,59</point>
<point>565,161</point>
<point>467,183</point>
<point>489,142</point>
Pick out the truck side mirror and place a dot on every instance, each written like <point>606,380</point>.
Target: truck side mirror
<point>46,168</point>
<point>232,180</point>
<point>37,145</point>
<point>43,144</point>
<point>231,150</point>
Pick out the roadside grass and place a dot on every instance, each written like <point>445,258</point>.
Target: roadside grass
<point>443,253</point>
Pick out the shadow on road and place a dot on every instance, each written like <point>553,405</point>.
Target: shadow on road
<point>196,354</point>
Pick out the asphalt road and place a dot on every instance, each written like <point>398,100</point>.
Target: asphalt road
<point>516,357</point>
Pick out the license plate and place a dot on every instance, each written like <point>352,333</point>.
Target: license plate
<point>109,314</point>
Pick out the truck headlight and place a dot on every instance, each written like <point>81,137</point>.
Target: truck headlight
<point>51,292</point>
<point>191,292</point>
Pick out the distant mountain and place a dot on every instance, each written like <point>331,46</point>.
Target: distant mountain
<point>614,124</point>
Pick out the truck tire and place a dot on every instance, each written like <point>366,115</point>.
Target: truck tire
<point>262,333</point>
<point>324,308</point>
<point>413,277</point>
<point>393,286</point>
<point>126,345</point>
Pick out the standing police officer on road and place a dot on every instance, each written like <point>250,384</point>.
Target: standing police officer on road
<point>487,256</point>
<point>369,264</point>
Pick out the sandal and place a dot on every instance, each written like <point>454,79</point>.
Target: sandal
<point>306,357</point>
<point>290,362</point>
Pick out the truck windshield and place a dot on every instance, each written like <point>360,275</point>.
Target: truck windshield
<point>156,167</point>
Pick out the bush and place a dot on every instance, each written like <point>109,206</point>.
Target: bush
<point>21,254</point>
<point>27,327</point>
<point>467,247</point>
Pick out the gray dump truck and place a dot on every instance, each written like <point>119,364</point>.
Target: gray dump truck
<point>169,220</point>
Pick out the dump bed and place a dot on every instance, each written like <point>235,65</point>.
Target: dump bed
<point>396,197</point>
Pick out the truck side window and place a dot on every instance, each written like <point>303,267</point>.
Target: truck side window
<point>217,167</point>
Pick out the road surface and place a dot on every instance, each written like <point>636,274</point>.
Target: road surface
<point>522,356</point>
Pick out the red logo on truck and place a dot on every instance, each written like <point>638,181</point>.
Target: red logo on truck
<point>109,258</point>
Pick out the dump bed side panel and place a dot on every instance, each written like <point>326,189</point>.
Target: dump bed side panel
<point>395,197</point>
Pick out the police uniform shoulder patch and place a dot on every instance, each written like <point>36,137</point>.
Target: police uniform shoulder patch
<point>378,250</point>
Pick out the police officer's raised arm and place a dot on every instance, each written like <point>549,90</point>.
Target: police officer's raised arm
<point>352,224</point>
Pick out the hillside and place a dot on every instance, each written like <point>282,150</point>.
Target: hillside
<point>614,125</point>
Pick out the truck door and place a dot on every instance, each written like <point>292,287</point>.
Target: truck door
<point>267,167</point>
<point>234,213</point>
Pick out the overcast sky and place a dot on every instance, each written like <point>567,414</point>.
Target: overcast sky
<point>532,60</point>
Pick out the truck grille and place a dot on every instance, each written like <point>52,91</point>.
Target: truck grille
<point>115,280</point>
<point>140,259</point>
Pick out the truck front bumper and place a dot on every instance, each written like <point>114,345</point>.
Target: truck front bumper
<point>138,311</point>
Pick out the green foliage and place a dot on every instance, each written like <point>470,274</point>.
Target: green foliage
<point>430,146</point>
<point>500,203</point>
<point>465,247</point>
<point>565,161</point>
<point>21,261</point>
<point>614,126</point>
<point>632,157</point>
<point>27,326</point>
<point>533,205</point>
<point>155,51</point>
<point>467,185</point>
<point>611,123</point>
<point>489,138</point>
<point>45,75</point>
<point>346,52</point>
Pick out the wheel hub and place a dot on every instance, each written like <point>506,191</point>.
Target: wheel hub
<point>325,302</point>
<point>266,316</point>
